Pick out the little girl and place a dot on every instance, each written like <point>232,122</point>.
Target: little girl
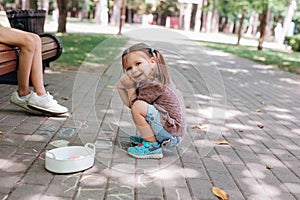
<point>156,105</point>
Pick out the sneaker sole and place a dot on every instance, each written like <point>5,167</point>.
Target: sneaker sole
<point>31,111</point>
<point>150,156</point>
<point>45,110</point>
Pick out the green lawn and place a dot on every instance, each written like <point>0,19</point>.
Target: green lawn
<point>284,60</point>
<point>80,47</point>
<point>103,48</point>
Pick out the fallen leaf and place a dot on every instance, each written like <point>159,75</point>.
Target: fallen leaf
<point>65,98</point>
<point>220,193</point>
<point>187,106</point>
<point>110,86</point>
<point>241,130</point>
<point>263,103</point>
<point>1,132</point>
<point>260,126</point>
<point>223,142</point>
<point>269,166</point>
<point>198,127</point>
<point>258,110</point>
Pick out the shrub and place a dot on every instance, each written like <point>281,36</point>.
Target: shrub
<point>293,41</point>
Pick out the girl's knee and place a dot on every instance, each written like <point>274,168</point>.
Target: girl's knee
<point>139,107</point>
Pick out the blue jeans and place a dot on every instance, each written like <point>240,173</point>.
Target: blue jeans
<point>153,118</point>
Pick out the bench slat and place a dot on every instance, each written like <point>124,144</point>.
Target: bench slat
<point>51,50</point>
<point>4,47</point>
<point>8,67</point>
<point>49,54</point>
<point>49,46</point>
<point>8,56</point>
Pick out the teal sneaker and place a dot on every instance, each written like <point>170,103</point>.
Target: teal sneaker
<point>146,150</point>
<point>136,140</point>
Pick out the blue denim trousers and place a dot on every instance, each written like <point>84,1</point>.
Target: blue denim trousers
<point>153,118</point>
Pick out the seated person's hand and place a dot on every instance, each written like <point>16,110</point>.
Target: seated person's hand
<point>127,82</point>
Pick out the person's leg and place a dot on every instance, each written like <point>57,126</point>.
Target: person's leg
<point>161,135</point>
<point>149,148</point>
<point>30,67</point>
<point>139,111</point>
<point>30,59</point>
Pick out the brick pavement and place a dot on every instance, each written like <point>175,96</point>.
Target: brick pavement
<point>231,108</point>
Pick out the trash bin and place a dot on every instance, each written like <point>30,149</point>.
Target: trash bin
<point>27,20</point>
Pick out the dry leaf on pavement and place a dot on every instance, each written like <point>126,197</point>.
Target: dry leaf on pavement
<point>258,110</point>
<point>223,142</point>
<point>110,86</point>
<point>220,193</point>
<point>65,98</point>
<point>260,126</point>
<point>1,132</point>
<point>198,127</point>
<point>269,167</point>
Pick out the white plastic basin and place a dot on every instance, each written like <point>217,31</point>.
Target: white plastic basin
<point>70,159</point>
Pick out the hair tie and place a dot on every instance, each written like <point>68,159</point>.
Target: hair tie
<point>152,51</point>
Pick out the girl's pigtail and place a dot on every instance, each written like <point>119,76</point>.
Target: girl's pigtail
<point>162,69</point>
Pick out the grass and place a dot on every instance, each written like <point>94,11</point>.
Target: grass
<point>79,48</point>
<point>284,60</point>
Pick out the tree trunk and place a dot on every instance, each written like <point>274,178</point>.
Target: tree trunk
<point>181,15</point>
<point>45,6</point>
<point>251,24</point>
<point>25,4</point>
<point>187,16</point>
<point>288,18</point>
<point>262,27</point>
<point>198,17</point>
<point>204,17</point>
<point>223,24</point>
<point>33,4</point>
<point>209,17</point>
<point>16,4</point>
<point>215,18</point>
<point>241,25</point>
<point>115,17</point>
<point>62,18</point>
<point>83,11</point>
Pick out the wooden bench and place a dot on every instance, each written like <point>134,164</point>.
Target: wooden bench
<point>51,50</point>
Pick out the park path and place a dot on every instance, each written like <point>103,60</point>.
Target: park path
<point>251,106</point>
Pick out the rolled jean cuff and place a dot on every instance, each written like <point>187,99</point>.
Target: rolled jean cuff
<point>153,118</point>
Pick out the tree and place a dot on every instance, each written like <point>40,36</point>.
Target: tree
<point>263,24</point>
<point>265,7</point>
<point>243,5</point>
<point>198,16</point>
<point>288,17</point>
<point>62,18</point>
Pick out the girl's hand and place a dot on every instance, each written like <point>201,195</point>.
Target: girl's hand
<point>127,82</point>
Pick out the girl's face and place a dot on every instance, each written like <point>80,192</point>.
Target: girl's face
<point>138,66</point>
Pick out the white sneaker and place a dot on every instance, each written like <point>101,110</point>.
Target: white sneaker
<point>22,102</point>
<point>46,104</point>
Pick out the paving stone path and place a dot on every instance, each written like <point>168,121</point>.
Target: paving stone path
<point>252,107</point>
